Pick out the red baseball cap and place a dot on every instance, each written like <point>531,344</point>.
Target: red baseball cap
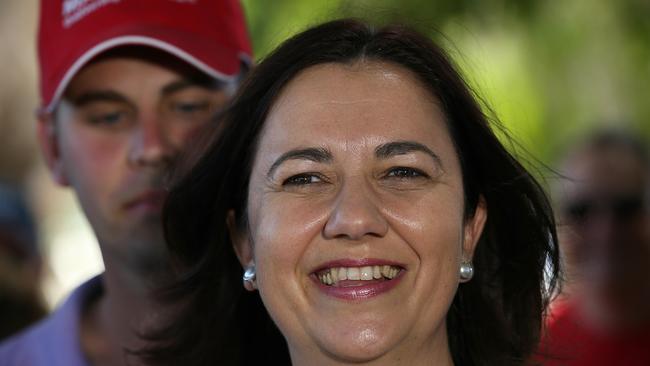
<point>208,34</point>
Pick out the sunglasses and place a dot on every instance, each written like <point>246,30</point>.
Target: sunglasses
<point>621,208</point>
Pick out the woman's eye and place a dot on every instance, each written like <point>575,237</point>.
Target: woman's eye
<point>404,172</point>
<point>302,180</point>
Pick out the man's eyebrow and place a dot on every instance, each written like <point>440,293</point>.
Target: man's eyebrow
<point>390,149</point>
<point>178,85</point>
<point>99,96</point>
<point>316,154</point>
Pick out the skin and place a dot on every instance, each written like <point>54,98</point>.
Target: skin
<point>406,207</point>
<point>607,257</point>
<point>123,120</point>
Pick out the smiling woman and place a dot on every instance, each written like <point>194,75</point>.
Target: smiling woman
<point>359,185</point>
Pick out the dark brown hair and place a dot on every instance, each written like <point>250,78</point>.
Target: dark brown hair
<point>495,319</point>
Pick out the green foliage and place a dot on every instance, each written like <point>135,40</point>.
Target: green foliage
<point>550,70</point>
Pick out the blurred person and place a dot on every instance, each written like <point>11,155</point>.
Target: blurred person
<point>361,191</point>
<point>603,315</point>
<point>21,301</point>
<point>124,86</point>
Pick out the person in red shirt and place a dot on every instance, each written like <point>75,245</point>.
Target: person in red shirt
<point>602,316</point>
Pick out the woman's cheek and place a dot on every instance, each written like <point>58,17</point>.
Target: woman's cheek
<point>283,232</point>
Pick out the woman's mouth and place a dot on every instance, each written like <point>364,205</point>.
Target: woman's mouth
<point>356,276</point>
<point>348,280</point>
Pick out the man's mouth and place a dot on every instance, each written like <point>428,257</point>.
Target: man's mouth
<point>151,200</point>
<point>356,276</point>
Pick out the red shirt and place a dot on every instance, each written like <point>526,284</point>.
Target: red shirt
<point>569,343</point>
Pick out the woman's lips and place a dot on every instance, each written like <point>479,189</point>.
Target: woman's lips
<point>357,279</point>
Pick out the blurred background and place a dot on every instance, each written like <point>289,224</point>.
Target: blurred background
<point>549,70</point>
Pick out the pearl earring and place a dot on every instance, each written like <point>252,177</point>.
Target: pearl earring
<point>249,278</point>
<point>466,271</point>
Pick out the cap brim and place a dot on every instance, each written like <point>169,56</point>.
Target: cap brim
<point>227,60</point>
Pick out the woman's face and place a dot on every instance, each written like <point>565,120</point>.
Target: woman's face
<point>356,216</point>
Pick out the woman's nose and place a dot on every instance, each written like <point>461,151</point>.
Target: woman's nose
<point>356,214</point>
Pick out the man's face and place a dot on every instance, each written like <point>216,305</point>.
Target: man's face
<point>605,236</point>
<point>122,121</point>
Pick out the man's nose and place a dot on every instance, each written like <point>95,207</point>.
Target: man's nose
<point>356,214</point>
<point>150,143</point>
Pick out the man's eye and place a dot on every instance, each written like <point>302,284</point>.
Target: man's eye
<point>404,172</point>
<point>191,108</point>
<point>107,119</point>
<point>302,180</point>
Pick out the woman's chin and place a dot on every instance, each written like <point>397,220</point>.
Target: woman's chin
<point>357,344</point>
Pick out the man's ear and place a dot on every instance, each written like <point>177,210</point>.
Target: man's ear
<point>48,140</point>
<point>474,228</point>
<point>240,241</point>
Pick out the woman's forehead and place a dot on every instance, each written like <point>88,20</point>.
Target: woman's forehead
<point>359,81</point>
<point>360,100</point>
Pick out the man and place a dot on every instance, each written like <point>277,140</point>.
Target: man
<point>125,84</point>
<point>603,315</point>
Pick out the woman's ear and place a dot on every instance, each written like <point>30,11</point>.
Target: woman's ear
<point>240,241</point>
<point>473,229</point>
<point>244,250</point>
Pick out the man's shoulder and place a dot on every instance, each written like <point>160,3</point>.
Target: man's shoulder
<point>31,346</point>
<point>55,339</point>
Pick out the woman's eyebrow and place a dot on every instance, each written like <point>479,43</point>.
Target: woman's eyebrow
<point>316,154</point>
<point>390,149</point>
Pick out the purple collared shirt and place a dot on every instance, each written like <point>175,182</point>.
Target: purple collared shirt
<point>54,341</point>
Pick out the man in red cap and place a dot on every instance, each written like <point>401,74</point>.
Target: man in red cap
<point>124,85</point>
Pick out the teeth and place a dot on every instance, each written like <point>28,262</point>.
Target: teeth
<point>385,270</point>
<point>333,275</point>
<point>353,274</point>
<point>343,273</point>
<point>376,272</point>
<point>366,273</point>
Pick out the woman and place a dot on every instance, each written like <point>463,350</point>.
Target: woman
<point>359,185</point>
